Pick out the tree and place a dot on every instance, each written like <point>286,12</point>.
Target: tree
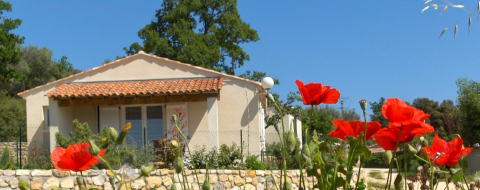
<point>205,33</point>
<point>445,118</point>
<point>377,112</point>
<point>256,76</point>
<point>469,104</point>
<point>9,44</point>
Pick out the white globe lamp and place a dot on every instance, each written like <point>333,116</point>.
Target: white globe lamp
<point>267,83</point>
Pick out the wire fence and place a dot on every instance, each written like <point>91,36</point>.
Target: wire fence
<point>252,141</point>
<point>13,139</point>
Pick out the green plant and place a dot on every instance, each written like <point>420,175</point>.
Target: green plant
<point>80,134</point>
<point>225,157</point>
<point>39,158</point>
<point>376,161</point>
<point>6,161</point>
<point>252,163</point>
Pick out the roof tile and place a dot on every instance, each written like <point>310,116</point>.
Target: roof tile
<point>134,88</point>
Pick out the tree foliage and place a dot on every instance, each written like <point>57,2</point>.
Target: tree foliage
<point>37,67</point>
<point>9,44</point>
<point>444,117</point>
<point>12,117</point>
<point>377,112</point>
<point>469,105</point>
<point>206,33</point>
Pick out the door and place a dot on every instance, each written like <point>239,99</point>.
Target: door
<point>109,116</point>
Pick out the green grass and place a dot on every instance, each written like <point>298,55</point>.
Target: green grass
<point>376,175</point>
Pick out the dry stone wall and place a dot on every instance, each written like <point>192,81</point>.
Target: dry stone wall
<point>162,179</point>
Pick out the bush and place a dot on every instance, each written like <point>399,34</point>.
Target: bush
<point>376,161</point>
<point>39,159</point>
<point>223,158</point>
<point>5,161</point>
<point>252,163</point>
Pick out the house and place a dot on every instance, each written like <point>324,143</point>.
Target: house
<point>145,90</point>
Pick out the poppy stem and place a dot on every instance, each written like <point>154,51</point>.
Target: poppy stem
<point>110,168</point>
<point>446,179</point>
<point>405,163</point>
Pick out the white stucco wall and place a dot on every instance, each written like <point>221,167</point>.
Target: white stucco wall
<point>238,106</point>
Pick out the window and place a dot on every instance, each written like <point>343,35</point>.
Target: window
<point>147,123</point>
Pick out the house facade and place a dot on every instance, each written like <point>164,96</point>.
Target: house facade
<point>145,90</point>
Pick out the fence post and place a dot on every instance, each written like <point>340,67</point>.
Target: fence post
<point>16,144</point>
<point>20,140</point>
<point>241,144</point>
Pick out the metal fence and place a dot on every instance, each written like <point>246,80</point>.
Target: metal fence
<point>13,138</point>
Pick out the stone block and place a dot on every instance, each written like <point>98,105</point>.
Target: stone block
<point>8,172</point>
<point>153,182</point>
<point>251,173</point>
<point>260,173</point>
<point>60,174</point>
<point>98,180</point>
<point>167,181</point>
<point>239,181</point>
<point>36,184</point>
<point>41,173</point>
<point>138,184</point>
<point>51,182</point>
<point>22,172</point>
<point>67,183</point>
<point>223,178</point>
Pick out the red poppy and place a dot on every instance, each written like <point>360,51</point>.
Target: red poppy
<point>445,153</point>
<point>353,129</point>
<point>387,137</point>
<point>76,158</point>
<point>316,93</point>
<point>400,114</point>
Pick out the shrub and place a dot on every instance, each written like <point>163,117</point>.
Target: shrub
<point>225,157</point>
<point>252,163</point>
<point>5,161</point>
<point>39,159</point>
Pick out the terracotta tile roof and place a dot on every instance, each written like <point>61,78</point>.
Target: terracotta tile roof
<point>133,88</point>
<point>141,53</point>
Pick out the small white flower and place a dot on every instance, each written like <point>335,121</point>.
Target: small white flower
<point>422,138</point>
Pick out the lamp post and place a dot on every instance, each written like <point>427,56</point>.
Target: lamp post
<point>267,84</point>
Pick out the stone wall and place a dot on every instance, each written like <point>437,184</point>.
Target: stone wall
<point>161,179</point>
<point>12,147</point>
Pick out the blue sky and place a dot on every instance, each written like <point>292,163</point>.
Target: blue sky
<point>365,49</point>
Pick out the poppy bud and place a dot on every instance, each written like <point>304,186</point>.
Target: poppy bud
<point>206,185</point>
<point>387,156</point>
<point>113,133</point>
<point>291,141</point>
<point>174,187</point>
<point>179,165</point>
<point>270,97</point>
<point>23,184</point>
<point>94,150</point>
<point>412,150</point>
<point>146,170</point>
<point>174,118</point>
<point>277,127</point>
<point>123,134</point>
<point>306,150</point>
<point>363,104</point>
<point>399,182</point>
